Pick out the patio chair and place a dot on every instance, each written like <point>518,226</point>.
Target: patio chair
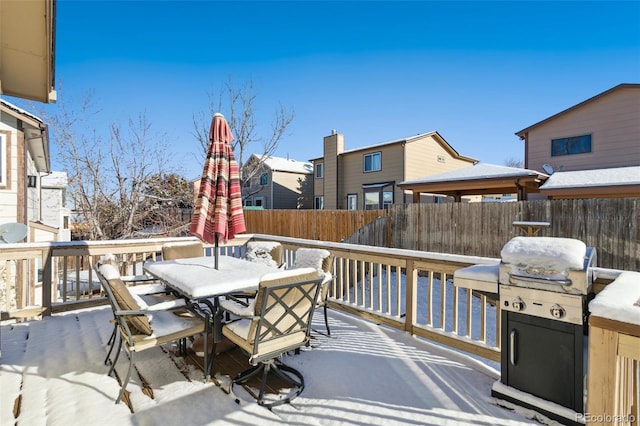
<point>277,321</point>
<point>182,250</point>
<point>267,252</point>
<point>142,326</point>
<point>141,285</point>
<point>321,260</point>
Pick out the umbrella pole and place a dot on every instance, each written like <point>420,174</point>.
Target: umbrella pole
<point>215,253</point>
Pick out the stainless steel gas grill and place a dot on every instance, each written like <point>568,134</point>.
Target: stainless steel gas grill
<point>544,286</point>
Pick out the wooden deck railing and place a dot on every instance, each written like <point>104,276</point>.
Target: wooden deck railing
<point>405,289</point>
<point>409,290</point>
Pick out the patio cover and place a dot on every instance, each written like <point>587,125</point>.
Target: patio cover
<point>480,179</point>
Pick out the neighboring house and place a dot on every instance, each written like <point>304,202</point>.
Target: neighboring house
<point>600,133</point>
<point>53,212</point>
<point>367,178</point>
<point>278,183</point>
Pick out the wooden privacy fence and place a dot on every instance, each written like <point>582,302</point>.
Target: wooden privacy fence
<point>321,225</point>
<point>611,225</point>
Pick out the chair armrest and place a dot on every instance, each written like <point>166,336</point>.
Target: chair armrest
<point>169,305</point>
<point>238,309</point>
<point>146,289</point>
<point>124,312</point>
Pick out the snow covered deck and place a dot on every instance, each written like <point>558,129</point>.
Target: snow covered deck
<point>52,372</point>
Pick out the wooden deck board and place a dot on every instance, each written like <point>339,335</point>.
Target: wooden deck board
<point>234,361</point>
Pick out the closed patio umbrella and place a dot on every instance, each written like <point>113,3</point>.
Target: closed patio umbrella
<point>218,212</point>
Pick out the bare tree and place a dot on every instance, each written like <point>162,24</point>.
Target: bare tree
<point>108,182</point>
<point>238,104</point>
<point>513,162</point>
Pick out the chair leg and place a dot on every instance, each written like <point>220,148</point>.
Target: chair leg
<point>113,364</point>
<point>111,342</point>
<point>287,373</point>
<point>126,380</point>
<point>326,320</point>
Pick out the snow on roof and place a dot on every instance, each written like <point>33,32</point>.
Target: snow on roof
<point>619,300</point>
<point>19,110</point>
<point>476,172</point>
<point>287,165</point>
<point>55,180</point>
<point>594,177</point>
<point>419,135</point>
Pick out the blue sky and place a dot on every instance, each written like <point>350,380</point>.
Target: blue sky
<point>477,72</point>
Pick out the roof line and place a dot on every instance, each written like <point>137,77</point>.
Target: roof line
<point>579,105</point>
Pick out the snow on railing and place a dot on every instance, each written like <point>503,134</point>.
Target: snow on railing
<point>405,289</point>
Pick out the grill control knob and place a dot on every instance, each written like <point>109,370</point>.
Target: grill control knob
<point>518,304</point>
<point>557,311</point>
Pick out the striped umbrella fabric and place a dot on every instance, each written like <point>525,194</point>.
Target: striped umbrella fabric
<point>218,212</point>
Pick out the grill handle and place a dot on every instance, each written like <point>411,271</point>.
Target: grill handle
<point>512,347</point>
<point>538,279</point>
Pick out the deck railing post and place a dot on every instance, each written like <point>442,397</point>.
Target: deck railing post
<point>411,302</point>
<point>47,281</point>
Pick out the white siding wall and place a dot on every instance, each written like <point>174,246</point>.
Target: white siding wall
<point>8,193</point>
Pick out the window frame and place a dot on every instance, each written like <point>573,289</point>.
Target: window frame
<point>371,156</point>
<point>260,201</point>
<point>351,197</point>
<point>319,171</point>
<point>379,193</point>
<point>264,179</point>
<point>572,145</point>
<point>318,202</point>
<point>4,166</point>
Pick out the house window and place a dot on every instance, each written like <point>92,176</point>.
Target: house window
<point>371,200</point>
<point>387,199</point>
<point>318,202</point>
<point>352,202</point>
<point>3,159</point>
<point>248,203</point>
<point>373,162</point>
<point>320,170</point>
<point>258,201</point>
<point>378,196</point>
<point>570,146</point>
<point>264,179</point>
<point>65,222</point>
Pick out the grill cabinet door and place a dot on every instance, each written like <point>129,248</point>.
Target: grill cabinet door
<point>543,357</point>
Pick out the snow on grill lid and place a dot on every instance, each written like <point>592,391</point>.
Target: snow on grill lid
<point>545,253</point>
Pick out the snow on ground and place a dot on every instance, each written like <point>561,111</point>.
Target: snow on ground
<point>364,374</point>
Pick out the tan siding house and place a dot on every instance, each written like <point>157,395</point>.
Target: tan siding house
<point>597,135</point>
<point>280,183</point>
<point>608,122</point>
<point>367,178</point>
